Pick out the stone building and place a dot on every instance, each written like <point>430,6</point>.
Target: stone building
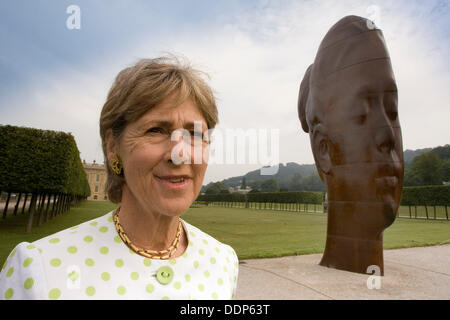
<point>239,190</point>
<point>96,175</point>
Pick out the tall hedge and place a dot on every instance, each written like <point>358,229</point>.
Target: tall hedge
<point>427,195</point>
<point>222,197</point>
<point>274,197</point>
<point>40,161</point>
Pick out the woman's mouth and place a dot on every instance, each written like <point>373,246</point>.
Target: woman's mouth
<point>174,182</point>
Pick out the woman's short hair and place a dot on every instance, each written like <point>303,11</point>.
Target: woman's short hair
<point>141,87</point>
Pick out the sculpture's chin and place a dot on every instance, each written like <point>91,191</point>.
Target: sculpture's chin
<point>389,212</point>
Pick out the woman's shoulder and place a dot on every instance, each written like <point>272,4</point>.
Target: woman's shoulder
<point>22,273</point>
<point>85,231</point>
<point>195,235</point>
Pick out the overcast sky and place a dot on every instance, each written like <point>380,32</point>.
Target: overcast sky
<point>255,52</point>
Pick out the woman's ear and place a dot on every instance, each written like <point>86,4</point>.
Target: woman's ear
<point>111,147</point>
<point>321,152</point>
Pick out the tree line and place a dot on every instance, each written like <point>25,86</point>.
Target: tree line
<point>44,165</point>
<point>430,168</point>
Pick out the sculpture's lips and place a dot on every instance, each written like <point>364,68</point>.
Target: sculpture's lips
<point>387,179</point>
<point>388,182</point>
<point>388,169</point>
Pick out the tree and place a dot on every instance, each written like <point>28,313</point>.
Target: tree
<point>296,182</point>
<point>313,183</point>
<point>445,170</point>
<point>255,184</point>
<point>425,170</point>
<point>244,184</point>
<point>270,185</point>
<point>216,188</point>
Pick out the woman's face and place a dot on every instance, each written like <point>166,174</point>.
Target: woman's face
<point>153,179</point>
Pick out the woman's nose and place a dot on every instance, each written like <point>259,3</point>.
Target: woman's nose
<point>178,151</point>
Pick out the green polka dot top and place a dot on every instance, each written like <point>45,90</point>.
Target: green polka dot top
<point>90,261</point>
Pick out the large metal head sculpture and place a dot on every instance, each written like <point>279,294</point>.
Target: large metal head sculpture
<point>348,105</point>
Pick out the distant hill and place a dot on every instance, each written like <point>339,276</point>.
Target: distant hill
<point>443,153</point>
<point>283,176</point>
<point>287,171</point>
<point>409,155</point>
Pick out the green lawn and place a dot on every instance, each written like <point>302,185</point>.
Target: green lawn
<point>267,233</point>
<point>12,229</point>
<point>252,233</point>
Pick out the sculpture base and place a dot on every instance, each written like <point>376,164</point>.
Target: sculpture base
<point>354,255</point>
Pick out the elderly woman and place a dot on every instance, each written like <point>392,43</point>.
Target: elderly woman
<point>142,250</point>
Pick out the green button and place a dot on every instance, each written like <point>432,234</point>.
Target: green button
<point>164,275</point>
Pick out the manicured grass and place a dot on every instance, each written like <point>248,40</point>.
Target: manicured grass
<point>252,233</point>
<point>12,229</point>
<point>262,233</point>
<point>267,233</point>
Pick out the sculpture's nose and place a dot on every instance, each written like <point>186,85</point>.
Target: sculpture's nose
<point>385,135</point>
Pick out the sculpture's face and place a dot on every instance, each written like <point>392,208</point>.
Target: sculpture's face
<point>364,137</point>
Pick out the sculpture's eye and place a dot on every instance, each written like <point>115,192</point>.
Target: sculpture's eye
<point>362,119</point>
<point>390,105</point>
<point>392,115</point>
<point>362,108</point>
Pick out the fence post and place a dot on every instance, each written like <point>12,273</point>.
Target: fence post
<point>446,212</point>
<point>434,209</point>
<point>426,211</point>
<point>409,207</point>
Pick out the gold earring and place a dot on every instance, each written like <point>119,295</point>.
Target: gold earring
<point>116,166</point>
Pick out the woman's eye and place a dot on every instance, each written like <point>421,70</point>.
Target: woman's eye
<point>196,133</point>
<point>155,130</point>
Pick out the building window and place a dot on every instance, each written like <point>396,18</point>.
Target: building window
<point>95,197</point>
<point>98,177</point>
<point>96,188</point>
